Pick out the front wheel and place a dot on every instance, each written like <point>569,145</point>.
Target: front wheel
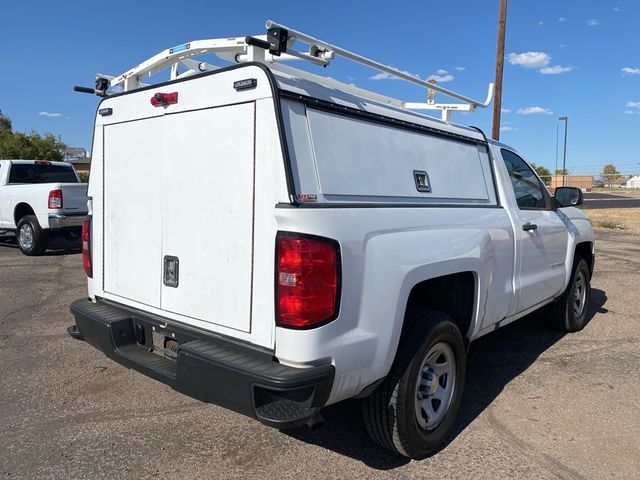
<point>32,239</point>
<point>569,312</point>
<point>415,407</point>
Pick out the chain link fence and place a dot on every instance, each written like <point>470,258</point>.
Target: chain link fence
<point>612,201</point>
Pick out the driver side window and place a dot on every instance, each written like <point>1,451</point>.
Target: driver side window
<point>527,187</point>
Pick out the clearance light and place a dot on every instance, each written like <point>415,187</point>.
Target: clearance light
<point>164,99</point>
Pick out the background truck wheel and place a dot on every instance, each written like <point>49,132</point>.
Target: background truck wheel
<point>569,312</point>
<point>413,410</point>
<point>31,239</point>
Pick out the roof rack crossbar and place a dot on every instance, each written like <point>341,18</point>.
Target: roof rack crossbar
<point>277,46</point>
<point>311,41</point>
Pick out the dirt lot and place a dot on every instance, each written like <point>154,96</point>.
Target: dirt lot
<point>537,404</point>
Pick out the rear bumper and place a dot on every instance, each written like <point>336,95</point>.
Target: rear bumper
<point>206,367</point>
<point>60,220</point>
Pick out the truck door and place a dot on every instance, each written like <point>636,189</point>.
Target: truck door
<point>541,237</point>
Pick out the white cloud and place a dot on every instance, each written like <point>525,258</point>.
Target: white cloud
<point>442,76</point>
<point>383,76</point>
<point>555,70</point>
<point>632,108</point>
<point>630,71</point>
<point>508,128</point>
<point>534,111</point>
<point>592,23</point>
<point>540,23</point>
<point>505,110</point>
<point>562,19</point>
<point>461,69</point>
<point>387,76</point>
<point>562,45</point>
<point>616,9</point>
<point>529,59</point>
<point>538,60</point>
<point>49,114</point>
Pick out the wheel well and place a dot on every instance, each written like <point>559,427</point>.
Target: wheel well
<point>20,211</point>
<point>584,249</point>
<point>451,294</point>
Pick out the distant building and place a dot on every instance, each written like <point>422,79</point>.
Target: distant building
<point>79,158</point>
<point>583,182</point>
<point>634,182</point>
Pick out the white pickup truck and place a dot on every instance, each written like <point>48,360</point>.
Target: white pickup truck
<point>39,197</point>
<point>273,241</point>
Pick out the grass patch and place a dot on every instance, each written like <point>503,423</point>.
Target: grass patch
<point>615,218</point>
<point>610,224</point>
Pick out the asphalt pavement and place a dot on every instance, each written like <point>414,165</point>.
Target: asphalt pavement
<point>607,200</point>
<point>537,405</point>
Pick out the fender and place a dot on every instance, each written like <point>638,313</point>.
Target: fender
<point>396,262</point>
<point>580,231</point>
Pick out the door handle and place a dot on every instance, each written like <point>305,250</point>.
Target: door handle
<point>529,226</point>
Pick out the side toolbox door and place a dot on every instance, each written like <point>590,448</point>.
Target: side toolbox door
<point>541,236</point>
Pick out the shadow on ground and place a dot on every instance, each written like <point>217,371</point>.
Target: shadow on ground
<point>58,244</point>
<point>494,360</point>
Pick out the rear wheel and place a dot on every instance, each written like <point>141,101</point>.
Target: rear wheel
<point>569,312</point>
<point>31,238</point>
<point>414,409</point>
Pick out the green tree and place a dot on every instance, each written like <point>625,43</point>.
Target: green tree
<point>5,122</point>
<point>610,174</point>
<point>610,169</point>
<point>542,172</point>
<point>561,171</point>
<point>29,146</point>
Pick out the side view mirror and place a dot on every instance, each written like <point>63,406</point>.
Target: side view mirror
<point>568,196</point>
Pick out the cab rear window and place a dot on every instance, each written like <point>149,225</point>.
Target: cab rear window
<point>39,173</point>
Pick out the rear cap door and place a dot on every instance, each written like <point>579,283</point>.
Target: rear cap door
<point>179,203</point>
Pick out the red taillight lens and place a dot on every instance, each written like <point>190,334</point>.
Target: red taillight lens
<point>55,199</point>
<point>86,246</point>
<point>307,280</point>
<point>164,99</point>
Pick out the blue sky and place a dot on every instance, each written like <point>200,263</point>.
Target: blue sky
<point>564,57</point>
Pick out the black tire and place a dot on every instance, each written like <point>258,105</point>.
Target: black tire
<point>31,238</point>
<point>391,411</point>
<point>562,313</point>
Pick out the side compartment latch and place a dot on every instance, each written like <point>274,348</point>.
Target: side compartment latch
<point>171,271</point>
<point>422,181</point>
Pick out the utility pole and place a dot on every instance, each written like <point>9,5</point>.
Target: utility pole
<point>497,103</point>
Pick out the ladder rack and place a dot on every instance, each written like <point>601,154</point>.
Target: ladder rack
<point>277,46</point>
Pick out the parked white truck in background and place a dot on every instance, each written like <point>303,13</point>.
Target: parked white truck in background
<point>274,241</point>
<point>39,197</point>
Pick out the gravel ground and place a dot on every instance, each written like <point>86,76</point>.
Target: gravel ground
<point>538,404</point>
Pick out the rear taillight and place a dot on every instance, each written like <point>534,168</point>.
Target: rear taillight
<point>307,280</point>
<point>55,199</point>
<point>86,246</point>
